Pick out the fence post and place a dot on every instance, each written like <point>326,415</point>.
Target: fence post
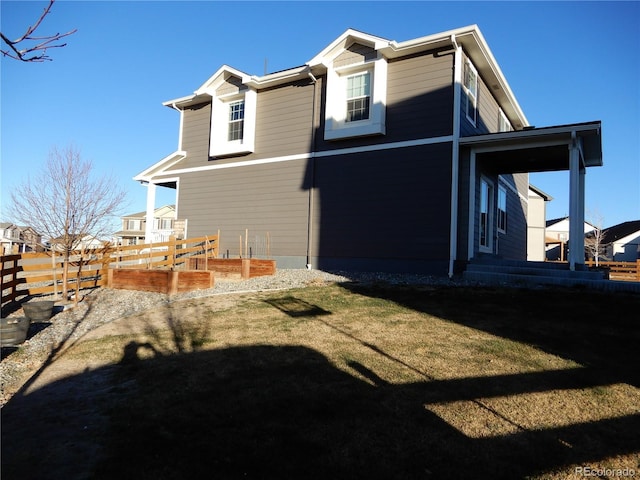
<point>172,283</point>
<point>14,277</point>
<point>172,251</point>
<point>1,277</point>
<point>207,246</point>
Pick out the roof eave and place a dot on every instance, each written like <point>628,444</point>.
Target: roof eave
<point>147,175</point>
<point>477,48</point>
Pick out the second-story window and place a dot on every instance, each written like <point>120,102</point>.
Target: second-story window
<point>236,120</point>
<point>356,100</point>
<point>471,91</point>
<point>503,122</point>
<point>358,97</point>
<point>134,225</point>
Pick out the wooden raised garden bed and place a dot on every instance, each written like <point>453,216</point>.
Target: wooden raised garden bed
<point>161,281</point>
<point>235,267</point>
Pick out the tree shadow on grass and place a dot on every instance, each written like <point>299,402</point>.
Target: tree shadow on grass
<point>280,412</point>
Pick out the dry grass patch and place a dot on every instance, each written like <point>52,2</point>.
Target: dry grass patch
<point>366,382</point>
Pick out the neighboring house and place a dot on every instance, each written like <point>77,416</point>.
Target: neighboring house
<point>557,237</point>
<point>536,225</point>
<point>32,239</point>
<point>11,242</point>
<point>17,239</point>
<point>622,242</point>
<point>374,155</point>
<point>163,226</point>
<point>86,242</point>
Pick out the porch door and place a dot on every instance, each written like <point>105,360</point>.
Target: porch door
<point>486,215</point>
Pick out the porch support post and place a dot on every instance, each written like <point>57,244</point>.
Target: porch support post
<point>576,204</point>
<point>472,206</point>
<point>151,202</point>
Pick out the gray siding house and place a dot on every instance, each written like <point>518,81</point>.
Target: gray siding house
<point>374,155</point>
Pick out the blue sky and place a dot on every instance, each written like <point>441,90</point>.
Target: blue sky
<point>565,62</point>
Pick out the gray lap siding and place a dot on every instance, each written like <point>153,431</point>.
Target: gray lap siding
<point>261,198</point>
<point>418,103</point>
<point>195,135</point>
<point>513,244</point>
<point>388,209</point>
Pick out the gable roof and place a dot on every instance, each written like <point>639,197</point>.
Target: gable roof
<point>469,38</point>
<point>164,209</point>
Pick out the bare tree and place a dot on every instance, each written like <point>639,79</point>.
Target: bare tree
<point>594,240</point>
<point>64,203</point>
<point>31,48</point>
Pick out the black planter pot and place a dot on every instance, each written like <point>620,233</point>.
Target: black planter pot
<point>38,311</point>
<point>13,331</point>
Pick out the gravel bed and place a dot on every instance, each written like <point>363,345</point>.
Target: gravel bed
<point>103,305</point>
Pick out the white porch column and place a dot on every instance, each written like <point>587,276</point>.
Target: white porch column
<point>151,202</point>
<point>576,205</point>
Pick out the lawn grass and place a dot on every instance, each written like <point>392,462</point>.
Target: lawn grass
<point>375,382</point>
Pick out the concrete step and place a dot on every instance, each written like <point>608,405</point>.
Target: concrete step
<point>535,269</point>
<point>493,260</point>
<point>508,279</point>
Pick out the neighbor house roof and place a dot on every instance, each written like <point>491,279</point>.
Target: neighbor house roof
<point>620,231</point>
<point>143,214</point>
<point>556,220</point>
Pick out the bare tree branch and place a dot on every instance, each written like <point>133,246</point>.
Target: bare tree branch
<point>66,203</point>
<point>594,240</point>
<point>47,42</point>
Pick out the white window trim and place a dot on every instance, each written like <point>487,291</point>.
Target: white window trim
<point>219,142</point>
<point>336,126</point>
<point>467,93</point>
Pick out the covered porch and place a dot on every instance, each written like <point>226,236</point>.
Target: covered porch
<point>167,183</point>
<point>571,148</point>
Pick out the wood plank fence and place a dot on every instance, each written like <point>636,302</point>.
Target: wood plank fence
<point>27,274</point>
<point>626,271</point>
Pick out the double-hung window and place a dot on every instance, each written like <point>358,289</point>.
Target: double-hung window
<point>503,122</point>
<point>471,91</point>
<point>358,97</point>
<point>356,100</point>
<point>502,209</point>
<point>486,207</point>
<point>233,120</point>
<point>236,120</point>
<point>134,225</point>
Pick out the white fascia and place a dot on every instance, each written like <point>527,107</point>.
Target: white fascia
<point>167,162</point>
<point>329,53</point>
<point>219,145</point>
<point>215,80</point>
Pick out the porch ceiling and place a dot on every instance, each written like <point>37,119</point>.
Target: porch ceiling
<point>536,149</point>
